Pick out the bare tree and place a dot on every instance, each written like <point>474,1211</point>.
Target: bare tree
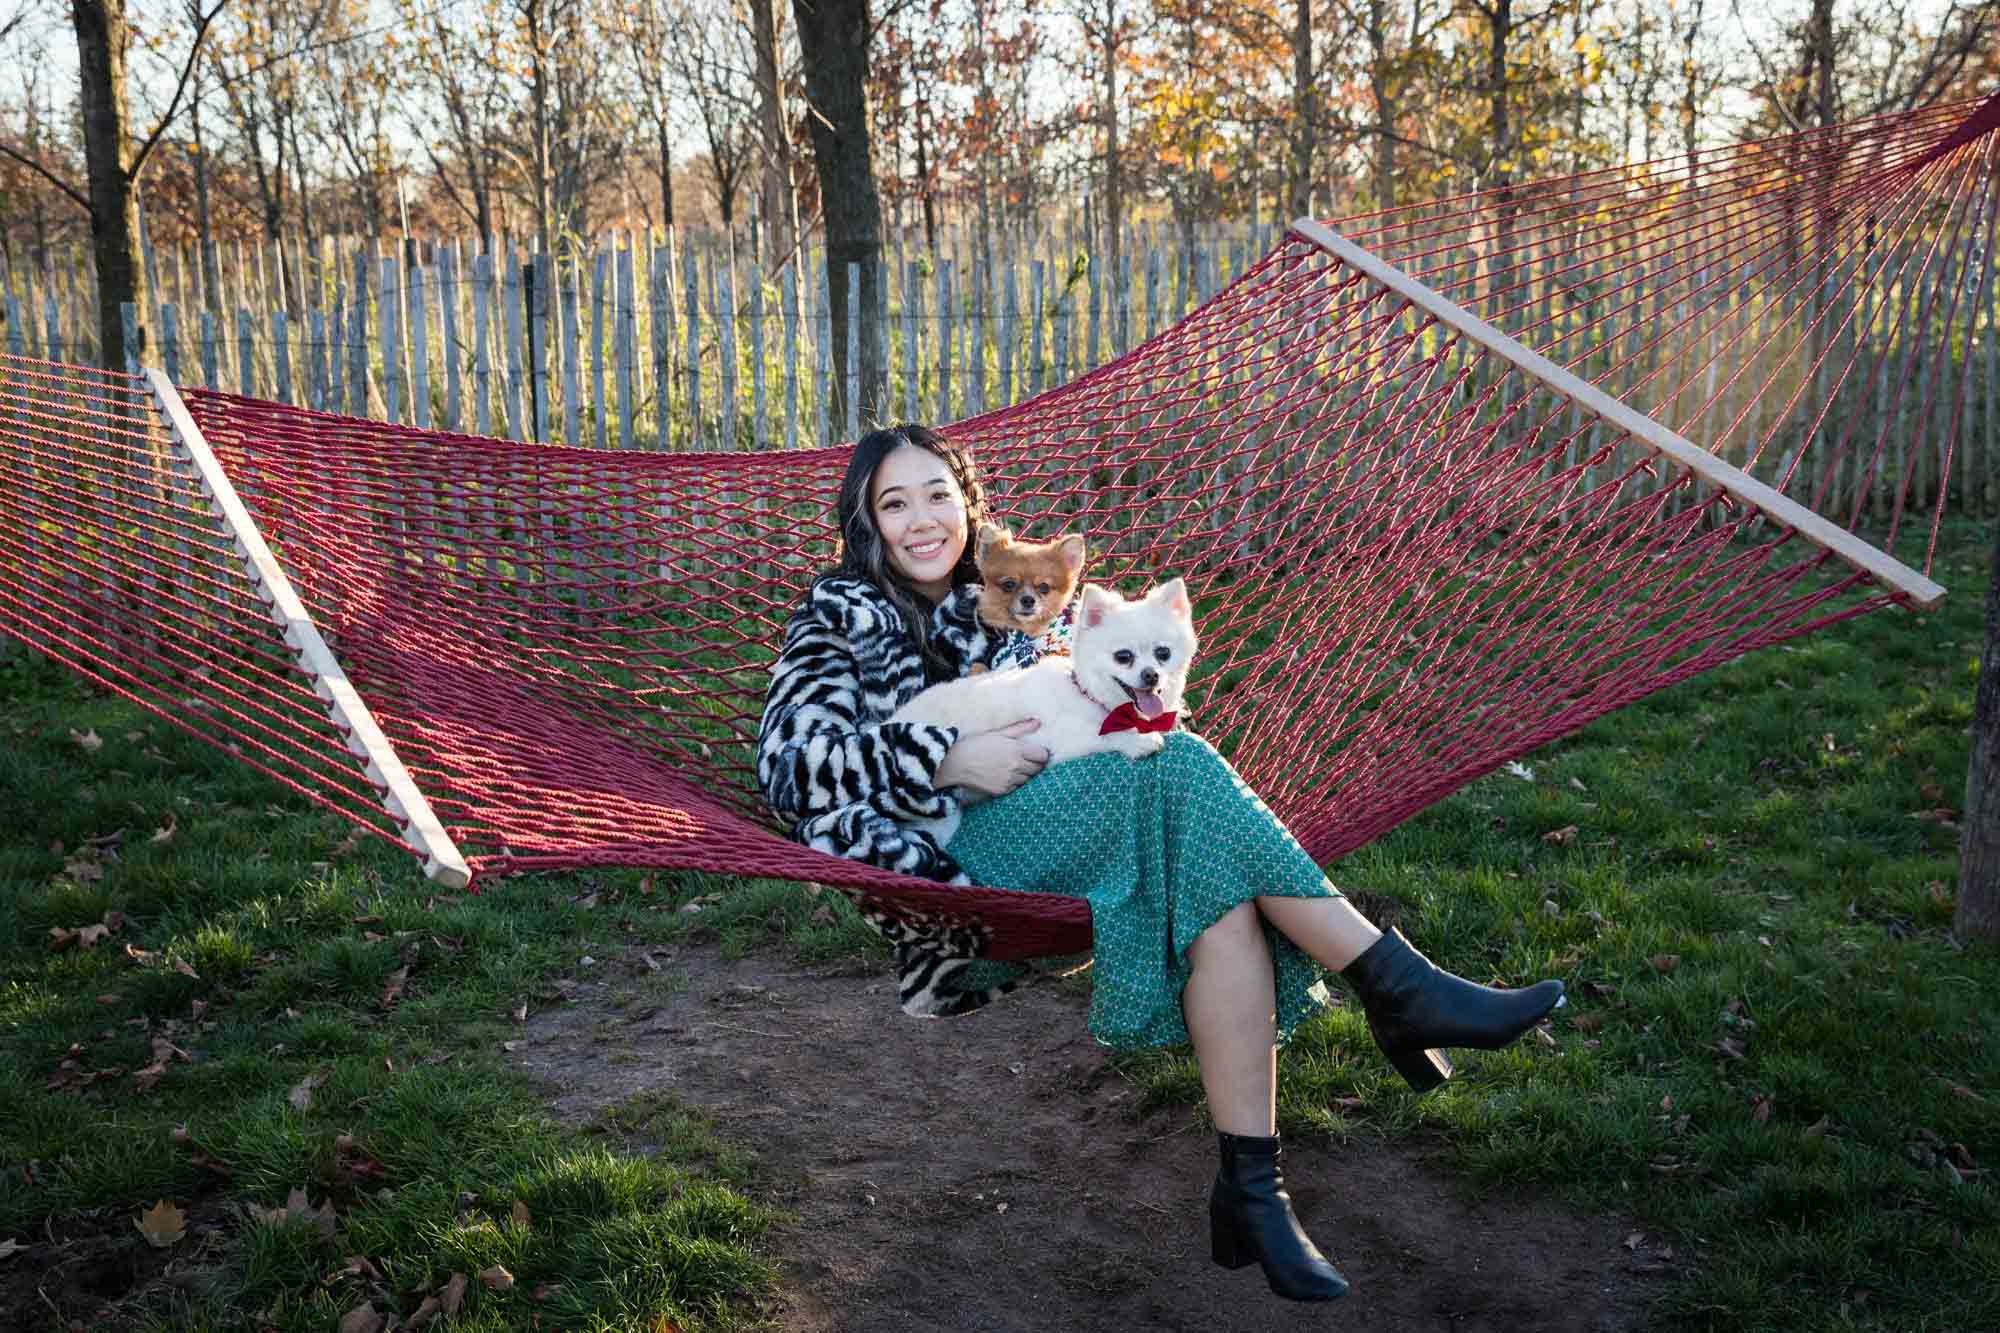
<point>358,87</point>
<point>113,158</point>
<point>716,64</point>
<point>644,29</point>
<point>459,59</point>
<point>780,193</point>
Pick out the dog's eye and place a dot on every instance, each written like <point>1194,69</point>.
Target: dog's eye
<point>1042,588</point>
<point>1123,657</point>
<point>1008,585</point>
<point>1163,654</point>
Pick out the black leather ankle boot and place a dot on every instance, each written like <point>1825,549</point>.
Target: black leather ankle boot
<point>1250,1221</point>
<point>1415,1007</point>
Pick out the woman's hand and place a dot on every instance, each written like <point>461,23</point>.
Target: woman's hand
<point>993,763</point>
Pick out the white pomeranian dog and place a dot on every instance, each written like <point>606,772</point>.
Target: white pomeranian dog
<point>1119,689</point>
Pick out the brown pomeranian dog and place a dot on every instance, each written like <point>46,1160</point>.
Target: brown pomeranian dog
<point>1026,584</point>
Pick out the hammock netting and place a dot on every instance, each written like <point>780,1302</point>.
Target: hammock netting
<point>1415,557</point>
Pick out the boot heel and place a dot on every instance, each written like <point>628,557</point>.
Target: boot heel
<point>1225,1241</point>
<point>1421,1069</point>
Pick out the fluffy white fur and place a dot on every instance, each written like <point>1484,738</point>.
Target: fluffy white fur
<point>1122,651</point>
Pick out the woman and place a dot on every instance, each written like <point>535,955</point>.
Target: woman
<point>1222,951</point>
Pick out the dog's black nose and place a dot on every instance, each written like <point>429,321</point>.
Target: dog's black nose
<point>1027,602</point>
<point>1149,678</point>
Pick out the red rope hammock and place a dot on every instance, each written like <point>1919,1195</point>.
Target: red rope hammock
<point>1416,554</point>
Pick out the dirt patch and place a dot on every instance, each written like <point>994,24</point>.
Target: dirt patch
<point>987,1173</point>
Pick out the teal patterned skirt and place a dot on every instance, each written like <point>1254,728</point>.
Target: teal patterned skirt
<point>1162,848</point>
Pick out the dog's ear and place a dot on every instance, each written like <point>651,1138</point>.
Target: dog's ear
<point>1173,595</point>
<point>1071,550</point>
<point>989,533</point>
<point>1097,602</point>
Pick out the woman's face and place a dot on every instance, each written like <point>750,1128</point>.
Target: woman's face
<point>920,513</point>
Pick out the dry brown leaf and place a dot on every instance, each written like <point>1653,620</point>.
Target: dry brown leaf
<point>521,1218</point>
<point>362,1319</point>
<point>165,833</point>
<point>1587,1022</point>
<point>454,1292</point>
<point>1561,837</point>
<point>363,1265</point>
<point>424,1313</point>
<point>89,740</point>
<point>300,1097</point>
<point>497,1278</point>
<point>662,1324</point>
<point>392,990</point>
<point>162,1225</point>
<point>1664,963</point>
<point>1816,1129</point>
<point>143,1080</point>
<point>61,937</point>
<point>187,971</point>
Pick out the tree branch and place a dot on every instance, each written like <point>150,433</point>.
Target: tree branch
<point>201,25</point>
<point>81,201</point>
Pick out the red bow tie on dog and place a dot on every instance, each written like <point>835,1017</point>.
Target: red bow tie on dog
<point>1125,717</point>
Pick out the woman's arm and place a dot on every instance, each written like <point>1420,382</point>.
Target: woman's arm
<point>815,752</point>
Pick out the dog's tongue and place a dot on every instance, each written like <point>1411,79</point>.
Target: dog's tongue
<point>1148,703</point>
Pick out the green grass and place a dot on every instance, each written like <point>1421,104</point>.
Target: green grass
<point>258,939</point>
<point>1757,826</point>
<point>1750,862</point>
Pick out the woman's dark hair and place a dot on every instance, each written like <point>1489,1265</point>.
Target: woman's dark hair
<point>862,554</point>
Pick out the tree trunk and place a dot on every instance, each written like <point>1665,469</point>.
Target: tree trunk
<point>211,288</point>
<point>1979,846</point>
<point>781,209</point>
<point>1114,170</point>
<point>1500,271</point>
<point>833,36</point>
<point>666,175</point>
<point>1305,113</point>
<point>1378,88</point>
<point>101,35</point>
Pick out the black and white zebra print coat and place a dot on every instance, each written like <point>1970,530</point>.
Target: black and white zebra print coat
<point>849,781</point>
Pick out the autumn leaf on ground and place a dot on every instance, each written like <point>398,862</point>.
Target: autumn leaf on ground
<point>300,1097</point>
<point>392,991</point>
<point>162,1225</point>
<point>1561,837</point>
<point>361,1319</point>
<point>1664,963</point>
<point>89,740</point>
<point>497,1278</point>
<point>424,1313</point>
<point>165,833</point>
<point>454,1292</point>
<point>521,1218</point>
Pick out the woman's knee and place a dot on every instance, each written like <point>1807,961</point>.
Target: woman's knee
<point>1239,926</point>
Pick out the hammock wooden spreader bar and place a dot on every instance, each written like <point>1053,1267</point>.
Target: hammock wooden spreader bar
<point>1879,565</point>
<point>400,798</point>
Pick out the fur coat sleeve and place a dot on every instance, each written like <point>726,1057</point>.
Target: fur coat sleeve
<point>825,742</point>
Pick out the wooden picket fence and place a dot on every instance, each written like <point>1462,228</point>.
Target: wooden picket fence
<point>684,342</point>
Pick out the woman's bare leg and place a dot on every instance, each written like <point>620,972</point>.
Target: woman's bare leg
<point>1231,1014</point>
<point>1329,930</point>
